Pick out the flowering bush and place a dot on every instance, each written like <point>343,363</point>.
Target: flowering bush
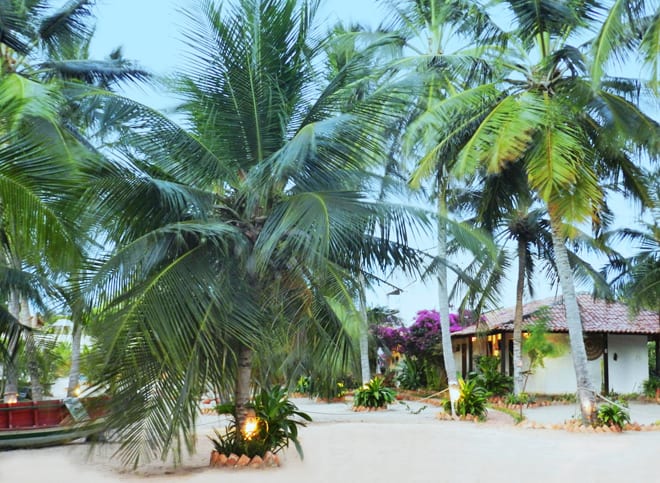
<point>423,337</point>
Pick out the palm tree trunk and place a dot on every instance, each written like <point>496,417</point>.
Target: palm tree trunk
<point>518,318</point>
<point>242,391</point>
<point>364,334</point>
<point>74,373</point>
<point>443,296</point>
<point>11,371</point>
<point>31,352</point>
<point>585,389</point>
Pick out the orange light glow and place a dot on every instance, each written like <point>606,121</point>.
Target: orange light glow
<point>251,425</point>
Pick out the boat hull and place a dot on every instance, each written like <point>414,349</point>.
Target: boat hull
<point>48,436</point>
<point>48,423</point>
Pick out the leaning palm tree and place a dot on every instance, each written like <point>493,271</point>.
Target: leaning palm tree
<point>253,216</point>
<point>576,131</point>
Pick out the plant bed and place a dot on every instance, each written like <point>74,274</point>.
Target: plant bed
<point>576,426</point>
<point>270,424</point>
<point>221,460</point>
<point>359,409</point>
<point>443,416</point>
<point>373,396</point>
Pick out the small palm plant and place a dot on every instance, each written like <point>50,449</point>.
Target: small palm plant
<point>613,415</point>
<point>273,424</point>
<point>373,395</point>
<point>471,400</point>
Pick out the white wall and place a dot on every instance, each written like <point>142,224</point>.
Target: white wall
<point>626,373</point>
<point>630,369</point>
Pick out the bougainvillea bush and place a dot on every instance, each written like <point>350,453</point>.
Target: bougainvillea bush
<point>422,341</point>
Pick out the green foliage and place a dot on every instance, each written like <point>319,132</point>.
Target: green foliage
<point>328,388</point>
<point>471,401</point>
<point>61,359</point>
<point>303,386</point>
<point>651,385</point>
<point>489,377</point>
<point>613,415</point>
<point>566,398</point>
<point>536,345</point>
<point>517,416</point>
<point>522,398</point>
<point>652,346</point>
<point>410,374</point>
<point>374,394</point>
<point>277,425</point>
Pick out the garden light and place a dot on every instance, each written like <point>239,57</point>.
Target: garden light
<point>250,425</point>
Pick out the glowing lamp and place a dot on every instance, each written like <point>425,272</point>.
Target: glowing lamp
<point>250,425</point>
<point>11,398</point>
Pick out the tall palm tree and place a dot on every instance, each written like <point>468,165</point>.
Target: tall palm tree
<point>427,27</point>
<point>576,131</point>
<point>254,215</point>
<point>503,205</point>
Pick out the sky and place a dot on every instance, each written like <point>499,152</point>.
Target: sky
<point>150,32</point>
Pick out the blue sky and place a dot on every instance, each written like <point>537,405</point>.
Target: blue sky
<point>150,31</point>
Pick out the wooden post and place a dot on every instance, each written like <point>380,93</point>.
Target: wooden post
<point>657,355</point>
<point>606,367</point>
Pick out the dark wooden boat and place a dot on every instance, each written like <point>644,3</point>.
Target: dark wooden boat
<point>46,423</point>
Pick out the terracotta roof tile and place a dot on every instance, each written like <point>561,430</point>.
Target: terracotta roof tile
<point>597,316</point>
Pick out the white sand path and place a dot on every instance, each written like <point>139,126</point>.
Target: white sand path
<point>382,447</point>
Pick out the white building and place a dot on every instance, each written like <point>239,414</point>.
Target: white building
<point>616,343</point>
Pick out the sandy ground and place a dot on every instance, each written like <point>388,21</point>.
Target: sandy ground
<point>403,444</point>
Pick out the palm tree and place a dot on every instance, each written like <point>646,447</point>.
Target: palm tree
<point>576,131</point>
<point>43,149</point>
<point>635,277</point>
<point>255,215</point>
<point>503,205</point>
<point>427,26</point>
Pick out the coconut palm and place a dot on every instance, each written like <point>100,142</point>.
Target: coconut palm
<point>427,27</point>
<point>576,131</point>
<point>637,277</point>
<point>503,205</point>
<point>44,154</point>
<point>253,216</point>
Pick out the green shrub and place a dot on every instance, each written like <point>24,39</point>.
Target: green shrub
<point>651,385</point>
<point>373,394</point>
<point>410,374</point>
<point>277,425</point>
<point>471,401</point>
<point>489,377</point>
<point>613,415</point>
<point>329,387</point>
<point>303,386</point>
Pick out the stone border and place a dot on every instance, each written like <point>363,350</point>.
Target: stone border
<point>575,426</point>
<point>369,409</point>
<point>233,461</point>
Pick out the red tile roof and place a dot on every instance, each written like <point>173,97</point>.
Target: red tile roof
<point>597,316</point>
